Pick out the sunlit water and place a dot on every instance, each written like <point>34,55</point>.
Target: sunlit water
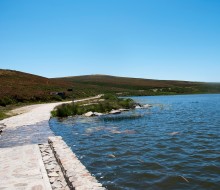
<point>173,145</point>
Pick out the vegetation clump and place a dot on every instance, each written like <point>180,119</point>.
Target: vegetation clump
<point>2,115</point>
<point>6,101</point>
<point>106,104</point>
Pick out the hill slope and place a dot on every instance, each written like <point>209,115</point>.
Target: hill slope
<point>136,86</point>
<point>18,86</point>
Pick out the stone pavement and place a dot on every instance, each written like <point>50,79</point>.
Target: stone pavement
<point>21,165</point>
<point>22,168</point>
<point>55,174</point>
<point>24,135</point>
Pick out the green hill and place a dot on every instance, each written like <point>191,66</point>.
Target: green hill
<point>18,86</point>
<point>93,84</point>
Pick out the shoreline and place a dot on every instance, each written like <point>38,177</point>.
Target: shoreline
<point>32,157</point>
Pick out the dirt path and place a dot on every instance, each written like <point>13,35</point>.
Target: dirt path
<point>30,115</point>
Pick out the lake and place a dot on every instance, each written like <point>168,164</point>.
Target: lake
<point>175,144</point>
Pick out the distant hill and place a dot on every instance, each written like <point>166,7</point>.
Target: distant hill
<point>136,86</point>
<point>18,86</point>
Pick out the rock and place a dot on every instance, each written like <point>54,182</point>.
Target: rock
<point>174,133</point>
<point>89,114</point>
<point>1,128</point>
<point>111,155</point>
<point>56,168</point>
<point>147,106</point>
<point>124,110</point>
<point>97,114</point>
<point>46,157</point>
<point>2,125</point>
<point>53,174</point>
<point>115,112</point>
<point>73,170</point>
<point>138,107</point>
<point>52,179</point>
<point>72,179</point>
<point>63,183</point>
<point>56,184</point>
<point>49,167</point>
<point>45,154</point>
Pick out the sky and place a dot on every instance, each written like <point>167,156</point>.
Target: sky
<point>154,39</point>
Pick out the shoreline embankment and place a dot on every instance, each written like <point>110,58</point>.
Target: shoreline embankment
<point>47,162</point>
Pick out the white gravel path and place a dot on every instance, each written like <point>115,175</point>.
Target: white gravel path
<point>34,114</point>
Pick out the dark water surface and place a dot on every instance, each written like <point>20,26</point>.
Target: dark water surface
<point>173,145</point>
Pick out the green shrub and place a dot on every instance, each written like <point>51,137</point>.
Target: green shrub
<point>6,101</point>
<point>54,113</point>
<point>56,98</point>
<point>126,103</point>
<point>110,102</point>
<point>110,97</point>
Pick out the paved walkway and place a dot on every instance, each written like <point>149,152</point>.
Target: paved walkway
<point>21,167</point>
<point>25,135</point>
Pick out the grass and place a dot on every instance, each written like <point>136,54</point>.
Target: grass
<point>18,87</point>
<point>109,102</point>
<point>125,86</point>
<point>2,115</point>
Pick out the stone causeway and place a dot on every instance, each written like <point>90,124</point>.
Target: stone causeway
<point>32,158</point>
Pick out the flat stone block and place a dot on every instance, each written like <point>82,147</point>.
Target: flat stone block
<point>74,170</point>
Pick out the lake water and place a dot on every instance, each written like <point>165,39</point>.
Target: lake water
<point>173,145</point>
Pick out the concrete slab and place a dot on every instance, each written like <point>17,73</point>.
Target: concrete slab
<point>22,168</point>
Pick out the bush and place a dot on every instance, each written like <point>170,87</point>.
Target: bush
<point>110,97</point>
<point>57,98</point>
<point>6,101</point>
<point>110,102</point>
<point>127,103</point>
<point>65,110</point>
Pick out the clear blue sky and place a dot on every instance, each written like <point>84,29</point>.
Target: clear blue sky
<point>158,39</point>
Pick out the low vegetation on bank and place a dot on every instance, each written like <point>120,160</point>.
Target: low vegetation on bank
<point>2,115</point>
<point>104,105</point>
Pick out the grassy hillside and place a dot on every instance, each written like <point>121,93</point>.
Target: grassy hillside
<point>23,87</point>
<point>17,87</point>
<point>94,84</point>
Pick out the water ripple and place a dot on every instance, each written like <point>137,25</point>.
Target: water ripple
<point>173,145</point>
